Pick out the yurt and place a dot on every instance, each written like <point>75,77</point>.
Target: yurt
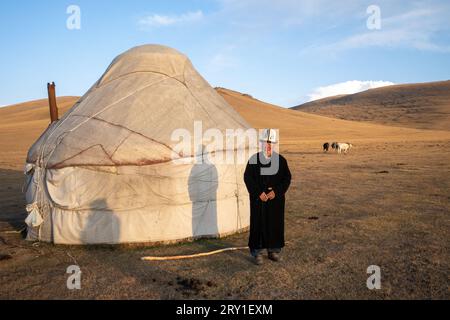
<point>111,170</point>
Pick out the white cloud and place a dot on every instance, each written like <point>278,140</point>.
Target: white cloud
<point>419,25</point>
<point>348,87</point>
<point>416,29</point>
<point>285,13</point>
<point>158,20</point>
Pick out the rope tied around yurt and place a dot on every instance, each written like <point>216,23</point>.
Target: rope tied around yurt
<point>34,218</point>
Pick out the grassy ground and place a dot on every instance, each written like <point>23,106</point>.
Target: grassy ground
<point>384,204</point>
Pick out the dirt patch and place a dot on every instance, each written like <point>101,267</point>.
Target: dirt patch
<point>5,256</point>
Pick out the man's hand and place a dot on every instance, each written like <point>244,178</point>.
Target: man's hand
<point>263,197</point>
<point>271,195</point>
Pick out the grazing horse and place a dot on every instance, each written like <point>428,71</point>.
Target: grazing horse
<point>326,147</point>
<point>334,145</point>
<point>344,147</point>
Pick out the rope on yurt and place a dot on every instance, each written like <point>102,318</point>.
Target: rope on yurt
<point>43,160</point>
<point>97,113</point>
<point>237,194</point>
<point>38,197</point>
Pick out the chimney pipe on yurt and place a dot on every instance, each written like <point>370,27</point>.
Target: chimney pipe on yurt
<point>52,102</point>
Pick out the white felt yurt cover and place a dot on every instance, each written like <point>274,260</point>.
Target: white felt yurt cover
<point>105,172</point>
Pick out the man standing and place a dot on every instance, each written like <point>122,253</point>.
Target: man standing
<point>267,178</point>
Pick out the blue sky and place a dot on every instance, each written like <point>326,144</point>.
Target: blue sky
<point>285,52</point>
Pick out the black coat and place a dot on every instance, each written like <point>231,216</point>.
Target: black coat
<point>266,218</point>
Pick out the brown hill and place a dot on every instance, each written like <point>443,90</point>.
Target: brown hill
<point>421,105</point>
<point>297,126</point>
<point>21,125</point>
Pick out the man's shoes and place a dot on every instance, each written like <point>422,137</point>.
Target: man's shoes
<point>259,260</point>
<point>274,256</point>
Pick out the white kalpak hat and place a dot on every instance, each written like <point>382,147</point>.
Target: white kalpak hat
<point>269,135</point>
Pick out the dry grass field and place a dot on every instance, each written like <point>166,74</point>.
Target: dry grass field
<point>386,203</point>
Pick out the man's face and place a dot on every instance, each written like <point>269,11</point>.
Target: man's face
<point>268,149</point>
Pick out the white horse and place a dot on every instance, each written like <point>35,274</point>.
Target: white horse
<point>344,147</point>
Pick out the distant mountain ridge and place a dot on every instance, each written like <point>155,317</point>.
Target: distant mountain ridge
<point>419,105</point>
